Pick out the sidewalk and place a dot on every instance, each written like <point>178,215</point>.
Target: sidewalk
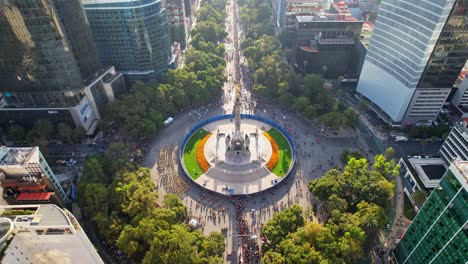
<point>399,223</point>
<point>362,117</point>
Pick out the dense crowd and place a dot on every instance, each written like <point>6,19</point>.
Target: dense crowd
<point>249,247</point>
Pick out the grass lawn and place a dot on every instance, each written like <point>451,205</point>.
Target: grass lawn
<point>285,153</point>
<point>408,210</point>
<point>190,154</point>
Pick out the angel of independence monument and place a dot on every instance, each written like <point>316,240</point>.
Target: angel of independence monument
<point>237,144</point>
<point>237,153</point>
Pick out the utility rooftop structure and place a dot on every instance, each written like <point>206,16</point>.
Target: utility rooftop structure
<point>26,177</point>
<point>421,174</point>
<point>45,234</point>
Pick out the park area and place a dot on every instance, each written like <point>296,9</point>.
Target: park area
<point>190,154</point>
<point>285,153</point>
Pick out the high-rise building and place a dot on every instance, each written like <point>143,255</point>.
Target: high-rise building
<point>415,55</point>
<point>285,11</point>
<point>438,233</point>
<point>132,35</point>
<point>47,58</point>
<point>329,40</point>
<point>43,234</point>
<point>456,144</point>
<point>26,177</point>
<point>178,21</point>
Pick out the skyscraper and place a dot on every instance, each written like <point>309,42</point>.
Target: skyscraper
<point>48,63</point>
<point>132,35</point>
<point>438,234</point>
<point>417,50</point>
<point>46,51</point>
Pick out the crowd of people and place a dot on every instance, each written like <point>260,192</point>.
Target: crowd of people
<point>249,247</point>
<point>168,173</point>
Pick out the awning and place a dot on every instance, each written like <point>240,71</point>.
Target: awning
<point>42,196</point>
<point>32,188</point>
<point>9,184</point>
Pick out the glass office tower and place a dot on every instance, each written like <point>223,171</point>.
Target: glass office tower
<point>438,233</point>
<point>132,35</point>
<point>415,55</point>
<point>46,52</point>
<point>450,52</point>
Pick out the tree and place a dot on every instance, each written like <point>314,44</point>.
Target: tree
<point>385,167</point>
<point>244,19</point>
<point>177,245</point>
<point>332,182</point>
<point>336,203</point>
<point>283,223</point>
<point>119,155</point>
<point>363,107</point>
<point>44,128</point>
<point>93,199</point>
<point>346,155</point>
<point>173,202</point>
<point>419,197</point>
<point>214,245</point>
<point>371,216</point>
<point>16,133</point>
<point>351,116</point>
<point>389,152</point>
<point>273,257</point>
<point>93,172</point>
<point>77,134</point>
<point>334,120</point>
<point>136,191</point>
<point>64,132</point>
<point>301,103</point>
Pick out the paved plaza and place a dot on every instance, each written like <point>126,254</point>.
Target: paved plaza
<point>250,175</point>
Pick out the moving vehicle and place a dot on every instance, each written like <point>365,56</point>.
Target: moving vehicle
<point>401,139</point>
<point>168,121</point>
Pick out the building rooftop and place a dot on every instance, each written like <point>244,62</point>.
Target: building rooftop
<point>54,237</point>
<point>434,172</point>
<point>336,41</point>
<point>428,171</point>
<point>462,172</point>
<point>16,156</point>
<point>325,17</point>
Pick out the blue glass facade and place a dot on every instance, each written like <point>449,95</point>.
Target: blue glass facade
<point>133,36</point>
<point>46,52</point>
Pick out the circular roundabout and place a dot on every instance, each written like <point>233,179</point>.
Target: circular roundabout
<point>237,154</point>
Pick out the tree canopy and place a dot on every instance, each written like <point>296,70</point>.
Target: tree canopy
<point>125,212</point>
<point>354,202</point>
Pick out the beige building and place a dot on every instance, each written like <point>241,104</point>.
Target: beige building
<point>43,234</point>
